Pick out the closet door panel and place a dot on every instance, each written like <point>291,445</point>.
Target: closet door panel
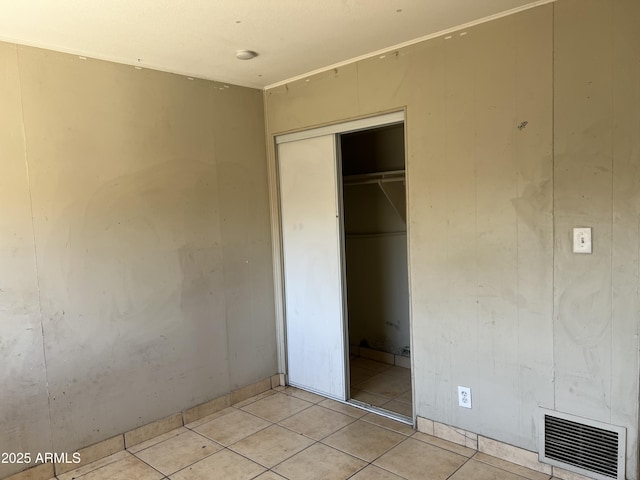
<point>312,265</point>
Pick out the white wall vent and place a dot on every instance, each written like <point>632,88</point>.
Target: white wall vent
<point>591,448</point>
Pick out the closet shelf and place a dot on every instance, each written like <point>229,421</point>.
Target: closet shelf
<point>389,183</point>
<point>377,177</point>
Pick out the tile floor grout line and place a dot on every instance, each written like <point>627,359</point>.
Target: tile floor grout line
<point>158,443</point>
<point>367,464</point>
<point>256,415</point>
<point>110,463</point>
<point>254,461</point>
<point>332,411</point>
<point>261,395</point>
<point>390,448</point>
<point>98,468</point>
<point>364,460</point>
<point>246,458</point>
<point>249,458</point>
<point>311,438</point>
<point>151,466</point>
<point>328,446</point>
<point>180,469</point>
<point>207,438</point>
<point>211,414</point>
<point>453,444</point>
<point>549,477</point>
<point>456,470</point>
<point>271,424</point>
<point>387,470</point>
<point>364,419</point>
<point>280,463</point>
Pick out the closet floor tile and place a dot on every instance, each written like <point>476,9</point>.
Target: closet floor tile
<point>369,398</point>
<point>372,365</point>
<point>386,385</point>
<point>381,385</point>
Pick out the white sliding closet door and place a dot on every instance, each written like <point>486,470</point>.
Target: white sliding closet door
<point>311,236</point>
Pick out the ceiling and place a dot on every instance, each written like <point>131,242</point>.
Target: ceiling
<point>199,38</point>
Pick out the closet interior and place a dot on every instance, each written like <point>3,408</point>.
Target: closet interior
<point>375,246</point>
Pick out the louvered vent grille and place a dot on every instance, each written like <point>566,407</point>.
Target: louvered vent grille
<point>591,448</point>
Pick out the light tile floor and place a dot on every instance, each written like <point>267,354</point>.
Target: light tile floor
<point>288,433</point>
<point>381,385</point>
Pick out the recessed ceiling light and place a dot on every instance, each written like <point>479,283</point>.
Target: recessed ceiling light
<point>245,54</point>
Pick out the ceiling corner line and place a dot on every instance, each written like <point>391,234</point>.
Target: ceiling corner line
<point>408,43</point>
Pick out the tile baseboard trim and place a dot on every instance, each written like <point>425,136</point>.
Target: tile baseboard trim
<point>489,446</point>
<point>278,380</point>
<point>249,391</point>
<point>92,453</point>
<point>118,443</point>
<point>153,429</point>
<point>380,356</point>
<point>517,455</point>
<point>202,410</point>
<point>44,471</point>
<point>567,475</point>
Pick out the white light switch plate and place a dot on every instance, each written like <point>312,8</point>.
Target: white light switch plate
<point>582,240</point>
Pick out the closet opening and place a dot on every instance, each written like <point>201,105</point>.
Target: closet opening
<point>375,260</point>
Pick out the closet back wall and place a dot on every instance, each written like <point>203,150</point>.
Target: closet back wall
<point>136,274</point>
<point>375,243</point>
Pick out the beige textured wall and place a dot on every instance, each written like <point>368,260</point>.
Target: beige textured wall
<point>143,286</point>
<point>499,303</point>
<point>24,413</point>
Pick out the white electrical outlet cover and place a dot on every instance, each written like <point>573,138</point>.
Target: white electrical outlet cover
<point>464,397</point>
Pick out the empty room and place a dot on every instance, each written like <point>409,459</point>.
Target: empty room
<point>327,240</point>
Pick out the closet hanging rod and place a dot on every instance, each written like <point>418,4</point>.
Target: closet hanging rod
<point>367,178</point>
<point>375,234</point>
<point>372,182</point>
